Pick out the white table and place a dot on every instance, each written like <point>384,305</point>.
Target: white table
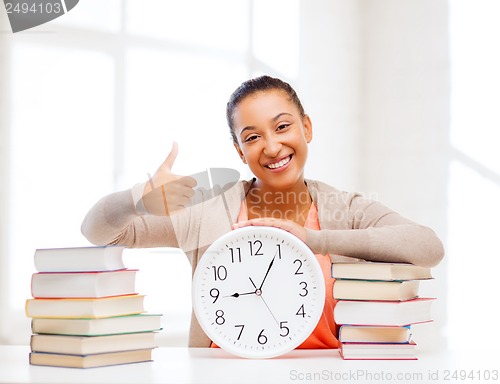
<point>203,365</point>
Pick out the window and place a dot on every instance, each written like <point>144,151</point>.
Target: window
<point>96,98</point>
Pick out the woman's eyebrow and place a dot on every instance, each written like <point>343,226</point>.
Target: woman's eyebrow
<point>281,114</point>
<point>251,127</point>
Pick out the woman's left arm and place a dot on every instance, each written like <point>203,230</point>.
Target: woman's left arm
<point>374,233</point>
<point>377,233</point>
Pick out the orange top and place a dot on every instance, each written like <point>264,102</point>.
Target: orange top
<point>325,334</point>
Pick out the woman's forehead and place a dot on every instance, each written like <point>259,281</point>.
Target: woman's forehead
<point>264,104</point>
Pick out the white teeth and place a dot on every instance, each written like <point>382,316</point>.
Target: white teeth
<point>279,164</point>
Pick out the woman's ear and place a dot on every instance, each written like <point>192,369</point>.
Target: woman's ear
<point>307,123</point>
<point>240,153</point>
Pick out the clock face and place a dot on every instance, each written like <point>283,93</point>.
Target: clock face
<point>258,292</point>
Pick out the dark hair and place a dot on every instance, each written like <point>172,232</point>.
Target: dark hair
<point>258,84</point>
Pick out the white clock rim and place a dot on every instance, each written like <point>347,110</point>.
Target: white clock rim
<point>269,353</point>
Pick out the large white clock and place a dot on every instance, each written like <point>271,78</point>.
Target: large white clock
<point>258,292</point>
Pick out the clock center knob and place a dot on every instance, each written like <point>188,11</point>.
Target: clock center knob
<point>258,292</point>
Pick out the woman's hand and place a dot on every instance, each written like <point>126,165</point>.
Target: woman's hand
<point>166,192</point>
<point>287,225</point>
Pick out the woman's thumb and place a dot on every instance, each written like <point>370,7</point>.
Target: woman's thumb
<point>169,161</point>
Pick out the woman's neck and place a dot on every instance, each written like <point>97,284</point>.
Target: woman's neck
<point>291,204</point>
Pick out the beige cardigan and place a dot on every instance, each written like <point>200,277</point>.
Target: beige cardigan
<point>351,227</point>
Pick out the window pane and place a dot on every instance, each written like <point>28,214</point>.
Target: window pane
<point>220,24</point>
<point>178,97</point>
<point>61,151</point>
<point>276,35</point>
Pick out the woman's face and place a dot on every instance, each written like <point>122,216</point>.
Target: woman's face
<point>272,138</point>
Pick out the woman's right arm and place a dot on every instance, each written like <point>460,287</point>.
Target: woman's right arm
<point>115,220</point>
<point>118,218</point>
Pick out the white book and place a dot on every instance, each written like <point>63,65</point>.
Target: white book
<point>90,361</point>
<point>385,313</point>
<point>79,259</point>
<point>374,334</point>
<point>85,308</point>
<point>375,290</point>
<point>83,284</point>
<point>88,345</point>
<point>96,327</point>
<point>380,271</point>
<point>377,351</point>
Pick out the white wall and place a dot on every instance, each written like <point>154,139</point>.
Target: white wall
<point>330,85</point>
<point>406,105</point>
<point>374,77</point>
<point>406,119</point>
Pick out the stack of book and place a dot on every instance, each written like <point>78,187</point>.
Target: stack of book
<point>377,305</point>
<point>85,310</point>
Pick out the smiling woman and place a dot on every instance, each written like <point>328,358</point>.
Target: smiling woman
<point>272,136</point>
<point>270,132</point>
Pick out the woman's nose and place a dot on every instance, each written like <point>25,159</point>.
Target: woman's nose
<point>272,147</point>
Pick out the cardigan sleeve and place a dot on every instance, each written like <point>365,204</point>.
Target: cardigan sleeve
<point>373,232</point>
<point>115,220</point>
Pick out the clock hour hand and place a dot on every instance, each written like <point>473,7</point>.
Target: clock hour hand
<point>236,294</point>
<point>252,282</point>
<point>256,292</point>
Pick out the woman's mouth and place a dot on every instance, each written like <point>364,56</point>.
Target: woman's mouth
<point>279,164</point>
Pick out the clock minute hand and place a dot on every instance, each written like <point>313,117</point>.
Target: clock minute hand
<point>267,272</point>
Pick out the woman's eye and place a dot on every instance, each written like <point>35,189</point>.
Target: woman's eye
<point>250,138</point>
<point>282,126</point>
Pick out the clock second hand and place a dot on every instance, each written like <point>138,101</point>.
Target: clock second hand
<point>258,292</point>
<point>269,309</point>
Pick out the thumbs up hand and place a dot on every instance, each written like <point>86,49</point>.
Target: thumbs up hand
<point>167,192</point>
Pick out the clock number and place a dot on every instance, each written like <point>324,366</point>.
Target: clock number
<point>301,311</point>
<point>238,252</point>
<point>279,250</point>
<point>255,243</point>
<point>298,272</point>
<point>219,317</point>
<point>220,273</point>
<point>214,293</point>
<point>241,330</point>
<point>304,288</point>
<point>262,339</point>
<point>286,330</point>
